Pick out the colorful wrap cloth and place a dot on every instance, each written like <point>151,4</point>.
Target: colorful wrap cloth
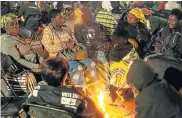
<point>5,19</point>
<point>120,69</point>
<point>137,12</point>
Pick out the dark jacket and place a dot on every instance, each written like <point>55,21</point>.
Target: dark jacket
<point>171,40</point>
<point>5,7</point>
<point>31,22</point>
<point>166,31</point>
<point>137,31</point>
<point>94,36</point>
<point>60,97</point>
<point>156,98</point>
<point>168,67</point>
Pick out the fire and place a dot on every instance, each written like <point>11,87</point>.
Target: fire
<point>101,102</point>
<point>106,115</point>
<point>78,16</point>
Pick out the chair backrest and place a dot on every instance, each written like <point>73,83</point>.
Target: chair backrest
<point>39,111</point>
<point>7,64</point>
<point>18,81</point>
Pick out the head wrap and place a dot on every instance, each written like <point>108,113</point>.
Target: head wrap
<point>137,12</point>
<point>5,19</point>
<point>65,13</point>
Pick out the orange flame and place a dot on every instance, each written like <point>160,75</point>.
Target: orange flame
<point>78,15</point>
<point>101,102</point>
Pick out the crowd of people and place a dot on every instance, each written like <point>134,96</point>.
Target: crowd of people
<point>71,49</point>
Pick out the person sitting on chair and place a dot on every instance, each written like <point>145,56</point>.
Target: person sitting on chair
<point>55,92</point>
<point>13,46</point>
<point>56,36</point>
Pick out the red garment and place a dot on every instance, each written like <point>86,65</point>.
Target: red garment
<point>161,6</point>
<point>146,11</point>
<point>136,3</point>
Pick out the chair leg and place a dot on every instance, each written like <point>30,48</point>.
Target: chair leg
<point>2,94</point>
<point>9,86</point>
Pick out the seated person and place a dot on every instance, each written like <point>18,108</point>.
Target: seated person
<point>105,17</point>
<point>11,42</point>
<point>3,21</point>
<point>30,16</point>
<point>58,40</point>
<point>121,56</point>
<point>56,36</point>
<point>134,29</point>
<point>93,35</point>
<point>55,73</point>
<point>170,38</point>
<point>54,91</point>
<point>154,98</point>
<point>168,67</point>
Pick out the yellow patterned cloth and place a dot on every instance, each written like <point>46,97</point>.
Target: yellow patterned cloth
<point>5,19</point>
<point>107,19</point>
<point>55,41</point>
<point>120,69</point>
<point>138,14</point>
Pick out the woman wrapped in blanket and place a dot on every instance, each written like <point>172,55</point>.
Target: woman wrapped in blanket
<point>121,56</point>
<point>16,49</point>
<point>134,30</point>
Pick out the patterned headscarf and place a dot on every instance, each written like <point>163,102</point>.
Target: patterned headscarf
<point>65,13</point>
<point>5,19</point>
<point>137,12</point>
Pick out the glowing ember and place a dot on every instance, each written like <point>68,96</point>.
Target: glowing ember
<point>106,115</point>
<point>78,16</point>
<point>110,109</point>
<point>101,102</point>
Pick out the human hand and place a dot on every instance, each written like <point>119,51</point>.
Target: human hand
<point>77,48</point>
<point>28,40</point>
<point>133,42</point>
<point>70,45</point>
<point>158,47</point>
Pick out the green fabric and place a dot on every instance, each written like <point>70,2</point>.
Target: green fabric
<point>107,19</point>
<point>155,7</point>
<point>157,22</point>
<point>42,83</point>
